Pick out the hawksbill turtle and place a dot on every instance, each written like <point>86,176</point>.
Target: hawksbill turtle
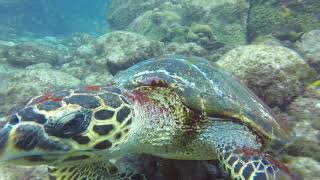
<point>172,107</point>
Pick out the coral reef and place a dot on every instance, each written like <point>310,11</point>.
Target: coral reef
<point>123,12</point>
<point>28,53</point>
<point>273,47</point>
<point>306,167</point>
<point>186,49</point>
<point>304,113</point>
<point>162,23</point>
<point>172,20</point>
<point>269,16</point>
<point>275,73</point>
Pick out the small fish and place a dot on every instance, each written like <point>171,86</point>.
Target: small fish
<point>290,32</point>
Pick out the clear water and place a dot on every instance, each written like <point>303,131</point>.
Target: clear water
<point>55,18</point>
<point>272,47</point>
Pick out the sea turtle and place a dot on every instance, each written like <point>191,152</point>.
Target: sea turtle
<point>172,107</point>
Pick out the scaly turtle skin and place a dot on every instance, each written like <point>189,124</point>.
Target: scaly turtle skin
<point>175,107</point>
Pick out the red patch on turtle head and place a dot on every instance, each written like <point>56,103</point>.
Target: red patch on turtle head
<point>44,98</point>
<point>48,97</point>
<point>155,82</point>
<point>92,88</point>
<point>251,152</point>
<point>56,99</point>
<point>137,95</point>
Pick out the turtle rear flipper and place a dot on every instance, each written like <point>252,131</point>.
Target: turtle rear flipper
<point>102,170</point>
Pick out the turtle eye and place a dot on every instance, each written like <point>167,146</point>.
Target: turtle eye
<point>69,125</point>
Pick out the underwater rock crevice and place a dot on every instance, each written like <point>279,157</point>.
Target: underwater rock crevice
<point>248,35</point>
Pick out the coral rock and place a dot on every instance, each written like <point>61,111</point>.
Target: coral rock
<point>20,85</point>
<point>29,53</point>
<point>121,49</point>
<point>276,74</point>
<point>309,47</point>
<point>306,167</point>
<point>186,49</point>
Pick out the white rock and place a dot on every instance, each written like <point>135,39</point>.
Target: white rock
<point>86,50</point>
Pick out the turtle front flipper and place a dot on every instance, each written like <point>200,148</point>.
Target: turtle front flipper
<point>247,163</point>
<point>92,170</point>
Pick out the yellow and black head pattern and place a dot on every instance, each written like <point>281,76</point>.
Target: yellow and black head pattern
<point>65,126</point>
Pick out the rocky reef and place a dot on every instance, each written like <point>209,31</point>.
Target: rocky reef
<point>273,47</point>
<point>283,17</point>
<point>183,20</point>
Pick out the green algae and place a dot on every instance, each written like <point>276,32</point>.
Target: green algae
<point>315,84</point>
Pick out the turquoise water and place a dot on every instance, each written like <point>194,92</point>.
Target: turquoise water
<point>55,18</point>
<point>80,78</point>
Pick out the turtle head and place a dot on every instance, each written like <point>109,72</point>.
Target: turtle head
<point>28,143</point>
<point>66,126</point>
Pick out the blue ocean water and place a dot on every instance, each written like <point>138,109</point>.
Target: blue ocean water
<point>54,17</point>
